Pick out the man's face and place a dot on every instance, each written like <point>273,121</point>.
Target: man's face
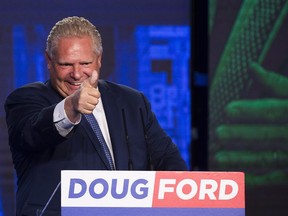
<point>73,62</point>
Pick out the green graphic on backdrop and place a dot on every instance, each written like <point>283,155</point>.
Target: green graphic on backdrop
<point>248,104</point>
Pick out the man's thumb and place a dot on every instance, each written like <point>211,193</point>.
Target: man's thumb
<point>93,79</point>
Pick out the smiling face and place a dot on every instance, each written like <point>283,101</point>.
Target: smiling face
<point>73,62</point>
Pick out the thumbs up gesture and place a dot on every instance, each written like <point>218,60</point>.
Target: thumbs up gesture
<point>84,100</point>
<point>92,81</point>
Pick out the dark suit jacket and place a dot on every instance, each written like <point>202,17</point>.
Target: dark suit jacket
<point>40,153</point>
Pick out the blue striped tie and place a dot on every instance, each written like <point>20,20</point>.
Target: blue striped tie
<point>95,126</point>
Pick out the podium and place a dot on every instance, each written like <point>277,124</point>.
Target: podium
<point>152,193</point>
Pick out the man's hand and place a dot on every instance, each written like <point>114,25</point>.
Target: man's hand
<point>84,100</point>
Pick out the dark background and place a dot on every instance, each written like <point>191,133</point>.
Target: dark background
<point>211,26</point>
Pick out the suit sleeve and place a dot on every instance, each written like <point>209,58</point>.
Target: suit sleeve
<point>164,153</point>
<point>29,117</point>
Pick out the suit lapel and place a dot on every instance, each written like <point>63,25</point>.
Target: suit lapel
<point>113,112</point>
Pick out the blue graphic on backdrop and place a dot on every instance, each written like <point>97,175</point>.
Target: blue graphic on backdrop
<point>163,54</point>
<point>28,54</point>
<point>1,209</point>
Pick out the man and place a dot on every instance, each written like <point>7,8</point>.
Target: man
<point>49,123</point>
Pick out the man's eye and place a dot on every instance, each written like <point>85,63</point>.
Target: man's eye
<point>65,65</point>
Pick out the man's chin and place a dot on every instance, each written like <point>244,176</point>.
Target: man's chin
<point>65,93</point>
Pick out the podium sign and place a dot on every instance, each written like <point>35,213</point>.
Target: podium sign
<point>110,193</point>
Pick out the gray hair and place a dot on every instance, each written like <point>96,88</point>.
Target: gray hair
<point>73,27</point>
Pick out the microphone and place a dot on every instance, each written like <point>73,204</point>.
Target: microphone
<point>151,166</point>
<point>49,200</point>
<point>130,164</point>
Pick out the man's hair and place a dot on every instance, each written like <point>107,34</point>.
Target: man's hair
<point>73,27</point>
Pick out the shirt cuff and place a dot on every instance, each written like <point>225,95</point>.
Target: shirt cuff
<point>61,121</point>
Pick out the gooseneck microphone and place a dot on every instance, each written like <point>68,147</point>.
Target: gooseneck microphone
<point>130,163</point>
<point>151,166</point>
<point>49,200</point>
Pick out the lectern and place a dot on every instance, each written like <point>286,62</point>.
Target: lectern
<point>152,193</point>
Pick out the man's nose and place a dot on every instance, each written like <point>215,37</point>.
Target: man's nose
<point>76,73</point>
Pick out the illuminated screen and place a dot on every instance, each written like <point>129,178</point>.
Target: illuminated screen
<point>248,95</point>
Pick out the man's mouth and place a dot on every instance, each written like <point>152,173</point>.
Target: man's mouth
<point>75,83</point>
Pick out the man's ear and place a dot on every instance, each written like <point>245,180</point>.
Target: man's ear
<point>48,60</point>
<point>99,60</point>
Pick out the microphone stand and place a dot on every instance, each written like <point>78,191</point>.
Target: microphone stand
<point>50,198</point>
<point>151,166</point>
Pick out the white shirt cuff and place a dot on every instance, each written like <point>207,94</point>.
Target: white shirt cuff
<point>61,121</point>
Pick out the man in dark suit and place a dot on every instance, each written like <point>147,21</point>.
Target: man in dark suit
<point>49,129</point>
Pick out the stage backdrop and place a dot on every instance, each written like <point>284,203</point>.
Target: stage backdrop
<point>146,46</point>
<point>248,98</point>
